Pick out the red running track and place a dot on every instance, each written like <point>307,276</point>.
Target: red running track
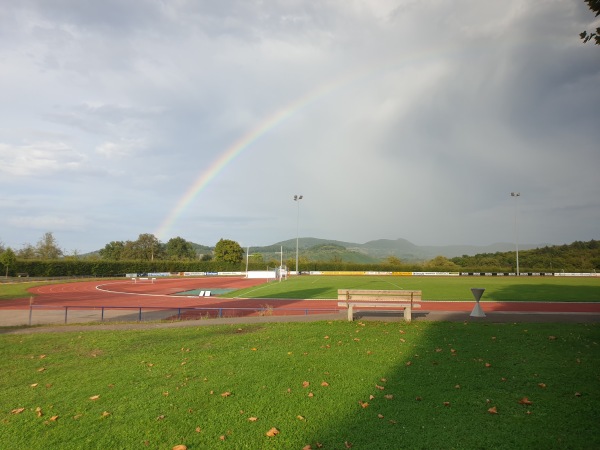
<point>161,295</point>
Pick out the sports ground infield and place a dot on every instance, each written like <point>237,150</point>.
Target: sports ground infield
<point>165,299</point>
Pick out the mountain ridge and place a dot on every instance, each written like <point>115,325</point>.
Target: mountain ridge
<point>400,248</point>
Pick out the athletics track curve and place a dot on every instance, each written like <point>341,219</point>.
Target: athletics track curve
<point>161,294</point>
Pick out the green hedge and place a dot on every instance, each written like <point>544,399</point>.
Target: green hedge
<point>99,268</point>
<point>76,268</point>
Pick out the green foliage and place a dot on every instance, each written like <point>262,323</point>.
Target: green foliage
<point>8,259</point>
<point>103,268</point>
<point>594,6</point>
<point>27,252</point>
<point>179,249</point>
<point>47,247</point>
<point>576,257</point>
<point>113,250</point>
<point>442,264</point>
<point>229,251</point>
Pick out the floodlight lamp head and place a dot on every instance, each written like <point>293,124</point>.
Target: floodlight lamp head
<point>515,194</point>
<point>297,197</point>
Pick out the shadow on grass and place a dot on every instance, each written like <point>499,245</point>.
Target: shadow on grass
<point>448,377</point>
<point>544,292</point>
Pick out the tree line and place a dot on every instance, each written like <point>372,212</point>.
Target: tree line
<point>148,254</point>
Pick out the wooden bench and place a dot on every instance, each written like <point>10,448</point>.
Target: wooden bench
<point>390,299</point>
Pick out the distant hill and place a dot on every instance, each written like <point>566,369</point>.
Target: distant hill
<point>316,249</point>
<point>374,251</point>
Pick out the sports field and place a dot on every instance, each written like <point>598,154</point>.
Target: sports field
<point>124,300</point>
<point>500,289</point>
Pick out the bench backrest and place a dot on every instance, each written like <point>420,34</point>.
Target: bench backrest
<point>378,295</point>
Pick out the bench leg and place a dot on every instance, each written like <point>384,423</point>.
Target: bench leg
<point>350,313</point>
<point>408,314</point>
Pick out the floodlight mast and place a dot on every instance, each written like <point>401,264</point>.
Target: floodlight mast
<point>297,199</point>
<point>516,195</point>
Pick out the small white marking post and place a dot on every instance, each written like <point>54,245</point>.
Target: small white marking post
<point>477,311</point>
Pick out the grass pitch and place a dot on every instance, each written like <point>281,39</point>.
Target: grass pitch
<point>330,385</point>
<point>435,288</point>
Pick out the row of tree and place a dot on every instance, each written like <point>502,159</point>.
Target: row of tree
<point>181,255</point>
<point>575,257</point>
<point>145,248</point>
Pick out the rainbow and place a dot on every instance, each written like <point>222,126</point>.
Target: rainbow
<point>272,121</point>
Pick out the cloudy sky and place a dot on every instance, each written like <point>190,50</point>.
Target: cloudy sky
<point>410,119</point>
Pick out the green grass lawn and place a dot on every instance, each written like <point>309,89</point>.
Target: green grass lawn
<point>20,289</point>
<point>371,385</point>
<point>435,288</point>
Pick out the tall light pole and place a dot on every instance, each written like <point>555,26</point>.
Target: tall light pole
<point>516,195</point>
<point>297,199</point>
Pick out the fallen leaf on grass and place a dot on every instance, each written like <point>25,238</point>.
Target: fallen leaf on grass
<point>53,419</point>
<point>198,430</point>
<point>272,432</point>
<point>577,394</point>
<point>105,414</point>
<point>388,396</point>
<point>311,395</point>
<point>33,385</point>
<point>222,437</point>
<point>38,412</point>
<point>381,388</point>
<point>41,369</point>
<point>446,403</point>
<point>525,401</point>
<point>325,384</point>
<point>179,447</point>
<point>305,384</point>
<point>409,363</point>
<point>17,411</point>
<point>348,444</point>
<point>363,404</point>
<point>542,385</point>
<point>493,410</point>
<point>380,416</point>
<point>94,397</point>
<point>552,338</point>
<point>488,365</point>
<point>252,419</point>
<point>300,418</point>
<point>226,394</point>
